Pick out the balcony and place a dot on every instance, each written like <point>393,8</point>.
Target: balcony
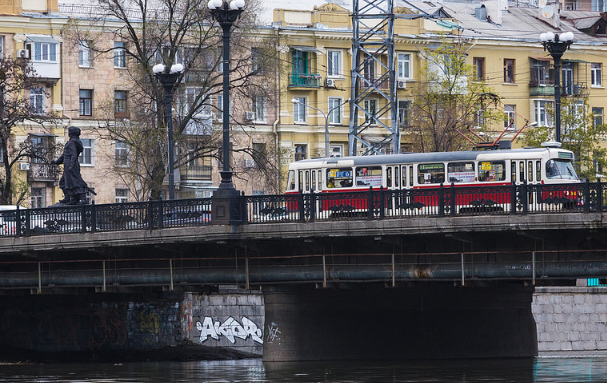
<point>43,173</point>
<point>304,80</point>
<point>541,89</point>
<point>196,173</point>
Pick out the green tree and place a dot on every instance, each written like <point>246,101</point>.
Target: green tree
<point>581,132</point>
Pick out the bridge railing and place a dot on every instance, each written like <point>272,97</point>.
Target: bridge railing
<point>368,204</point>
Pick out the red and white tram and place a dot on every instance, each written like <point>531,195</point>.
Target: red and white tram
<point>546,165</point>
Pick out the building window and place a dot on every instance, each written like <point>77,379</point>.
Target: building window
<point>122,195</point>
<point>86,102</point>
<point>38,198</point>
<point>370,111</point>
<point>509,71</point>
<point>257,60</point>
<point>300,63</point>
<point>404,66</point>
<point>540,73</point>
<point>119,55</point>
<point>86,157</point>
<point>597,116</point>
<point>596,74</point>
<point>510,117</point>
<point>542,117</point>
<point>334,63</point>
<point>479,68</point>
<point>121,152</point>
<point>84,54</point>
<point>404,113</point>
<point>369,69</point>
<point>259,108</point>
<point>335,105</point>
<point>299,110</point>
<point>300,152</point>
<point>37,96</point>
<point>120,103</point>
<point>1,47</point>
<point>42,51</point>
<point>568,79</point>
<point>259,154</point>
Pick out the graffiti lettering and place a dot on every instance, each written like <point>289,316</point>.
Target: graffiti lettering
<point>273,333</point>
<point>231,329</point>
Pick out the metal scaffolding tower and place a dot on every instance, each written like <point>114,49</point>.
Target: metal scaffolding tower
<point>373,29</point>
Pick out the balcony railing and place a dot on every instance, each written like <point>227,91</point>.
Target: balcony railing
<point>196,173</point>
<point>43,173</point>
<point>304,80</point>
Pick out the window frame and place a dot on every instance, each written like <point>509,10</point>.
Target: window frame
<point>406,121</point>
<point>404,66</point>
<point>121,154</point>
<point>479,68</point>
<point>510,115</point>
<point>120,104</point>
<point>335,69</point>
<point>37,100</point>
<point>82,103</point>
<point>85,59</point>
<point>119,198</point>
<point>509,71</point>
<point>335,110</point>
<point>87,157</point>
<point>300,112</point>
<point>596,75</point>
<point>119,55</point>
<point>540,105</point>
<point>259,108</point>
<point>43,51</point>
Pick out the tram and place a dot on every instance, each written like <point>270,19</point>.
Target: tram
<point>549,164</point>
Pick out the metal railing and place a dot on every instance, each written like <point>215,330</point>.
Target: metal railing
<point>368,204</point>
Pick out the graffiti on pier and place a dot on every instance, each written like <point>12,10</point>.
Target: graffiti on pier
<point>231,329</point>
<point>273,333</point>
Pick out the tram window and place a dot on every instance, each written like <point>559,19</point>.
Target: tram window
<point>339,177</point>
<point>411,175</point>
<point>513,171</point>
<point>431,173</point>
<point>291,181</point>
<point>521,168</point>
<point>530,170</point>
<point>388,177</point>
<point>300,180</point>
<point>368,176</point>
<point>307,181</point>
<point>490,171</point>
<point>314,180</point>
<point>396,178</point>
<point>538,170</point>
<point>461,171</point>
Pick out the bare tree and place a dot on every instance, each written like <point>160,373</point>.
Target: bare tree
<point>171,32</point>
<point>17,79</point>
<point>451,103</point>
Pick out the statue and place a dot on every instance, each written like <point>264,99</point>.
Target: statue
<point>71,183</point>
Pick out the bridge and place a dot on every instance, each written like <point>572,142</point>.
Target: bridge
<point>384,254</point>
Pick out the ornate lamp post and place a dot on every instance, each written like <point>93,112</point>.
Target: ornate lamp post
<point>556,45</point>
<point>326,116</point>
<point>167,77</point>
<point>225,209</point>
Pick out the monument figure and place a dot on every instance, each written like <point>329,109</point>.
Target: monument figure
<point>71,183</point>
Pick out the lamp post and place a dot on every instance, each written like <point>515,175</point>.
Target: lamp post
<point>326,116</point>
<point>226,209</point>
<point>167,77</point>
<point>556,45</point>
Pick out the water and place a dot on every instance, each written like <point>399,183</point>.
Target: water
<point>553,370</point>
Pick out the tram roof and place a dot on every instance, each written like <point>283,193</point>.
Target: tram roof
<point>423,157</point>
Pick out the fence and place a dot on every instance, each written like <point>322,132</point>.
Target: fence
<point>370,204</point>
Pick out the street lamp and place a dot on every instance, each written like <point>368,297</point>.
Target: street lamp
<point>556,45</point>
<point>167,77</point>
<point>326,116</point>
<point>226,208</point>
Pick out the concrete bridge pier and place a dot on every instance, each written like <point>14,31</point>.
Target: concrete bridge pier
<point>418,321</point>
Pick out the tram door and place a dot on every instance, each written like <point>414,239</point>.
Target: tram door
<point>392,178</point>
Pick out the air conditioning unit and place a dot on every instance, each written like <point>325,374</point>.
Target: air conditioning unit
<point>330,83</point>
<point>249,116</point>
<point>23,53</point>
<point>401,84</point>
<point>24,166</point>
<point>247,163</point>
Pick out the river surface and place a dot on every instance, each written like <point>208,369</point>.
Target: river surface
<point>554,370</point>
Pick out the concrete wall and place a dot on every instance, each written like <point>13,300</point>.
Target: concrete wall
<point>420,321</point>
<point>235,321</point>
<point>571,318</point>
<point>106,322</point>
